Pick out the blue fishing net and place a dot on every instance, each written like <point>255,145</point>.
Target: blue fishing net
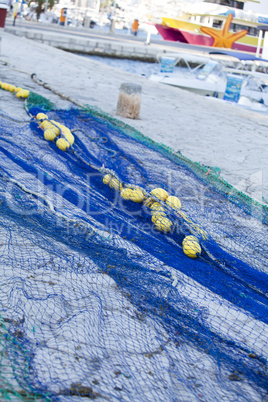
<point>95,301</point>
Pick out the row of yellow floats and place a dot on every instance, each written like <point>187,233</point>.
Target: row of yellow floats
<point>190,244</point>
<point>20,92</point>
<point>191,247</point>
<point>51,128</point>
<point>54,130</point>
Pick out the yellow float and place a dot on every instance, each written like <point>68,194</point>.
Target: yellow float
<point>62,144</point>
<point>115,184</point>
<point>49,134</point>
<point>137,195</point>
<point>156,206</point>
<point>191,247</point>
<point>126,193</point>
<point>158,216</point>
<point>160,193</point>
<point>107,178</point>
<point>173,202</point>
<point>163,224</point>
<point>39,116</point>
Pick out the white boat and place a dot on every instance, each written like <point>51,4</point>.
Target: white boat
<point>225,75</point>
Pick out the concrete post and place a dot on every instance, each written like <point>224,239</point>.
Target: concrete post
<point>129,100</point>
<point>259,43</point>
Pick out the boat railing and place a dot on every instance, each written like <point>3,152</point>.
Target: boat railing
<point>192,62</point>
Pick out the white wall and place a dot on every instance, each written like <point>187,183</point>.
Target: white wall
<point>265,46</point>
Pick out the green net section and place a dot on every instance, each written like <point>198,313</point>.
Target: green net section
<point>35,99</point>
<point>13,373</point>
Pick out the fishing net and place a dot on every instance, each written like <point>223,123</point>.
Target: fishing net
<point>97,300</point>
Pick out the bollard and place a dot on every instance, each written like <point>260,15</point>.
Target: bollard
<point>129,100</point>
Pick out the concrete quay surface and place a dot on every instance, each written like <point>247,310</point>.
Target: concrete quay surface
<point>94,42</point>
<point>89,46</point>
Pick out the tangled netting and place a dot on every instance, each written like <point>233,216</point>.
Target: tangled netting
<point>95,302</point>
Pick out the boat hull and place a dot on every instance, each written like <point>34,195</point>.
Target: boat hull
<point>194,37</point>
<point>212,81</point>
<point>214,89</point>
<point>172,34</point>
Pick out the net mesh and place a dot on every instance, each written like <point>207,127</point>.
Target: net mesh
<point>98,303</point>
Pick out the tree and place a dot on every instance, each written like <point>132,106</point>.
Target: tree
<point>41,4</point>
